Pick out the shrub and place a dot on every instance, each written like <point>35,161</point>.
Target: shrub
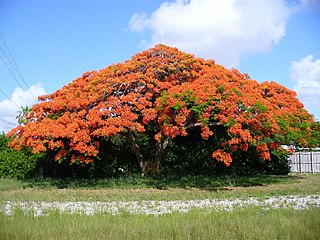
<point>16,164</point>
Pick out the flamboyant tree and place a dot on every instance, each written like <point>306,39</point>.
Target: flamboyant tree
<point>163,92</point>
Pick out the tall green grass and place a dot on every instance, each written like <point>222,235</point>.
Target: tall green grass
<point>245,224</point>
<point>10,184</point>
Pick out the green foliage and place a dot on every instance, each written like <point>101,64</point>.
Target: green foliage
<point>16,164</point>
<point>258,107</point>
<point>185,156</point>
<point>189,155</point>
<point>249,163</point>
<point>192,155</point>
<point>315,134</point>
<point>22,115</point>
<point>115,159</point>
<point>302,134</point>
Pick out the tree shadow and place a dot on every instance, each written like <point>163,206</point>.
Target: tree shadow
<point>216,183</point>
<point>203,182</point>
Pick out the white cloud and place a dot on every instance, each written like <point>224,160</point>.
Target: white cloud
<point>226,31</point>
<point>9,107</point>
<point>306,73</point>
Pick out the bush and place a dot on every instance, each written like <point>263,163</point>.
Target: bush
<point>16,164</point>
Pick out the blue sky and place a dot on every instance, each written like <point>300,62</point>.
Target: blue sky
<point>54,41</point>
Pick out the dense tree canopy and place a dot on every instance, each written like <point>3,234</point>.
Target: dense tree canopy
<point>164,92</point>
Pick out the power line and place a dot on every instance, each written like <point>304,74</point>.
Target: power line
<point>8,122</point>
<point>9,68</point>
<point>12,67</point>
<point>14,62</point>
<point>9,98</point>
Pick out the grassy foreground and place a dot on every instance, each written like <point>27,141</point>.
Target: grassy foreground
<point>197,224</point>
<point>250,223</point>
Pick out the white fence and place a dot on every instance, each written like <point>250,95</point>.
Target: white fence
<point>305,162</point>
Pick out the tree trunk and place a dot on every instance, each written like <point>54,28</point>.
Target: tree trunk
<point>136,148</point>
<point>160,151</point>
<point>143,164</point>
<point>41,171</point>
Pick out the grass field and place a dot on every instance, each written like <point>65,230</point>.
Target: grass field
<point>197,224</point>
<point>248,223</point>
<point>138,188</point>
